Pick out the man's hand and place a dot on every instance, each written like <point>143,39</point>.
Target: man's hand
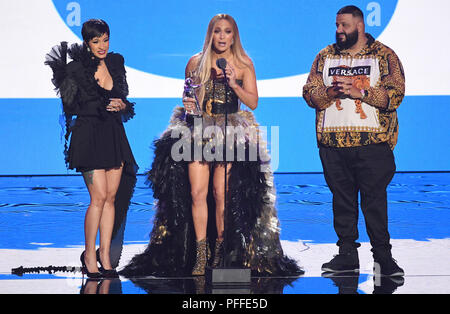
<point>343,87</point>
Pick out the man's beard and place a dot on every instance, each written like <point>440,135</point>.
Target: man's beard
<point>350,40</point>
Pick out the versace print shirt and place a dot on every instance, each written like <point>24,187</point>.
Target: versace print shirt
<point>348,122</point>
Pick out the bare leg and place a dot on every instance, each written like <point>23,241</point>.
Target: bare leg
<point>96,183</point>
<point>219,196</point>
<point>199,178</point>
<point>107,220</point>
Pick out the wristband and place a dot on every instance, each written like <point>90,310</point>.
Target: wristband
<point>364,93</point>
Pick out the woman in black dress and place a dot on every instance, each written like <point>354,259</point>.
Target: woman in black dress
<point>192,212</point>
<point>93,90</point>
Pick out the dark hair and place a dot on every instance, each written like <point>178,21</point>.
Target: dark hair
<point>353,10</point>
<point>94,28</point>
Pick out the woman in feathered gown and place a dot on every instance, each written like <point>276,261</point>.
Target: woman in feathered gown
<point>188,175</point>
<point>93,89</point>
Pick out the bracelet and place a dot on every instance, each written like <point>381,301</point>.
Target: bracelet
<point>364,93</point>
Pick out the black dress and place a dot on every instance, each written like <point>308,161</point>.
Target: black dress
<point>97,137</point>
<point>252,229</point>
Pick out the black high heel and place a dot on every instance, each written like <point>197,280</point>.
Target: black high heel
<point>107,273</point>
<point>97,253</point>
<point>84,269</point>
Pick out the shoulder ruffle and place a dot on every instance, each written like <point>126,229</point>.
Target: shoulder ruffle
<point>116,66</point>
<point>78,52</point>
<point>65,86</point>
<point>57,60</point>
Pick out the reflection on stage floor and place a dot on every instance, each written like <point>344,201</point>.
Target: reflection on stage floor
<point>41,221</point>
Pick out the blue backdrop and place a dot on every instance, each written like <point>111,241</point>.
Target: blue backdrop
<point>158,37</point>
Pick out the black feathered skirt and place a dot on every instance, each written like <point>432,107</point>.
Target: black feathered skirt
<point>252,228</point>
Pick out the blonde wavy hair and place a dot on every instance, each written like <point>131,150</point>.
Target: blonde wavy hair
<point>203,70</point>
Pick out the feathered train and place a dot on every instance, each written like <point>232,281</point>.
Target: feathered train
<point>252,229</point>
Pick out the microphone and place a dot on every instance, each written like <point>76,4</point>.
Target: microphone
<point>222,64</point>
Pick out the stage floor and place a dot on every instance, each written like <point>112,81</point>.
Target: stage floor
<point>41,224</point>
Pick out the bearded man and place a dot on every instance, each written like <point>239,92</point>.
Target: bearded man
<point>356,86</point>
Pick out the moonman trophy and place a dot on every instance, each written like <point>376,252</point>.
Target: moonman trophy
<point>189,91</point>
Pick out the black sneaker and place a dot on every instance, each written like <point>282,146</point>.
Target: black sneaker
<point>343,262</point>
<point>387,267</point>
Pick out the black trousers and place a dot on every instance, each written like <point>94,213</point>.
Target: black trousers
<point>367,170</point>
